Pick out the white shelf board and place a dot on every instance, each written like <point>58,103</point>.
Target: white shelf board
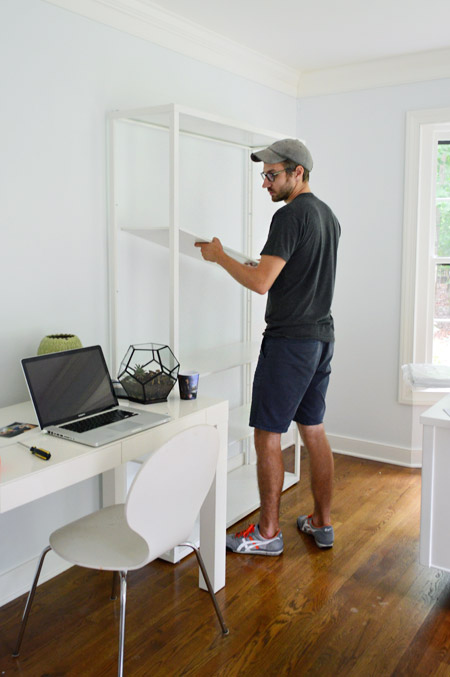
<point>243,494</point>
<point>220,358</point>
<point>201,124</point>
<point>187,240</point>
<point>238,427</point>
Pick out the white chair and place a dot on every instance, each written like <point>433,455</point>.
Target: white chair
<point>162,505</point>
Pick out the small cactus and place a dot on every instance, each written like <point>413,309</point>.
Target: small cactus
<point>139,372</point>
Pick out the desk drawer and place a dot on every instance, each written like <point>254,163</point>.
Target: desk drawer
<point>143,443</point>
<point>70,463</point>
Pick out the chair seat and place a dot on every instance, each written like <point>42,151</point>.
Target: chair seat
<point>102,540</point>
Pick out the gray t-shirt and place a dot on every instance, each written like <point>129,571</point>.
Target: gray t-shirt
<point>305,233</point>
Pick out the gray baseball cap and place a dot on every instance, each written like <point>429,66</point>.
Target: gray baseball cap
<point>286,149</point>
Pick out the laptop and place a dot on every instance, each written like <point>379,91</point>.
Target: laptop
<point>74,398</point>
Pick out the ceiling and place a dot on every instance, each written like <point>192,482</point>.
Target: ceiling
<point>299,47</point>
<point>309,36</point>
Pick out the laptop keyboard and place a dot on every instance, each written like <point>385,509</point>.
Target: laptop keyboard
<point>98,421</point>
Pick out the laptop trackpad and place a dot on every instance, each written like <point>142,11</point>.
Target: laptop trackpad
<point>124,427</point>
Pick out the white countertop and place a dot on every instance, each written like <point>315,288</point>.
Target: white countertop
<point>436,415</point>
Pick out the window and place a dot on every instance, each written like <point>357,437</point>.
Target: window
<point>425,321</point>
<point>441,316</point>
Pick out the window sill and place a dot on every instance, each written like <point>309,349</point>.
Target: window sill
<point>420,396</point>
<point>424,383</point>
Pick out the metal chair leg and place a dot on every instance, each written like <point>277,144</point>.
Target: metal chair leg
<point>30,601</point>
<point>201,564</point>
<point>123,603</point>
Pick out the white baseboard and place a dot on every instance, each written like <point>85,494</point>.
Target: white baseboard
<point>375,451</point>
<point>18,581</point>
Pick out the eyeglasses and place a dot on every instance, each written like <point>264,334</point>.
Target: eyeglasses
<point>270,176</point>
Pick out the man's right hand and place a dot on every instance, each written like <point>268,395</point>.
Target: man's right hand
<point>211,251</point>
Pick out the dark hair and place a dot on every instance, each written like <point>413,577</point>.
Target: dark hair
<point>290,166</point>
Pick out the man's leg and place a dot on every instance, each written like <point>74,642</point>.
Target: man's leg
<point>270,469</point>
<point>322,471</point>
<point>264,538</point>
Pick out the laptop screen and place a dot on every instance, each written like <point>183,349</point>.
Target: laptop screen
<point>69,385</point>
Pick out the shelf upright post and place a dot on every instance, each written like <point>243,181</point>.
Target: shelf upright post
<point>249,251</point>
<point>112,245</point>
<point>248,319</point>
<point>174,234</point>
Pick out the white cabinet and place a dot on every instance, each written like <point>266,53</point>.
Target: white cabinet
<point>177,176</point>
<point>435,503</point>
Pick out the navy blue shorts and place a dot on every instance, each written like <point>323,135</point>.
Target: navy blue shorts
<point>290,383</point>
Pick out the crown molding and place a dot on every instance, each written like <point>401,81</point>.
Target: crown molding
<point>404,69</point>
<point>167,29</point>
<point>148,21</point>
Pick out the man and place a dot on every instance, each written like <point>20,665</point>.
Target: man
<point>297,269</point>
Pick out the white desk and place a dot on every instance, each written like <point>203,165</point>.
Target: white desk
<point>25,478</point>
<point>435,505</point>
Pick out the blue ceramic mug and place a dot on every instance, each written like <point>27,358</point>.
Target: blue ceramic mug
<point>188,384</point>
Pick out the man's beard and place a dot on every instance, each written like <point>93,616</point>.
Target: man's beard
<point>281,195</point>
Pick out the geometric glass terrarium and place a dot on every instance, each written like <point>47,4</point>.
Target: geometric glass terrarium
<point>148,372</point>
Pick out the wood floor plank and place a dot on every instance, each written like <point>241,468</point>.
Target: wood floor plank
<point>366,607</point>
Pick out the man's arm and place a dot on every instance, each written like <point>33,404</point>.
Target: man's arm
<point>258,278</point>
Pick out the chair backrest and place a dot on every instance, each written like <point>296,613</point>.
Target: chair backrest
<point>167,493</point>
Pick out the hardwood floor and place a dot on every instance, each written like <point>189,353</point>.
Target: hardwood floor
<point>365,608</point>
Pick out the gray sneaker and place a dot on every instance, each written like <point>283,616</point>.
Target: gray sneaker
<point>323,536</point>
<point>250,542</point>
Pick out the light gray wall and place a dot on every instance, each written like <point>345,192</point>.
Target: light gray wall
<point>358,143</point>
<point>59,75</point>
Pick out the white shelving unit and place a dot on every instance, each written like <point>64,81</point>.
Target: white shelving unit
<point>176,123</point>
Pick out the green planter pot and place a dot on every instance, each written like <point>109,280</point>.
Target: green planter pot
<point>54,343</point>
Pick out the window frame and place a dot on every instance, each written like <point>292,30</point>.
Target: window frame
<point>423,129</point>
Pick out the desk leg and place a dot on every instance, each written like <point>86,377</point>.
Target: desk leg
<point>114,486</point>
<point>213,519</point>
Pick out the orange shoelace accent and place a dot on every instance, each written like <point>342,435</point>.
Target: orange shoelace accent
<point>246,532</point>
